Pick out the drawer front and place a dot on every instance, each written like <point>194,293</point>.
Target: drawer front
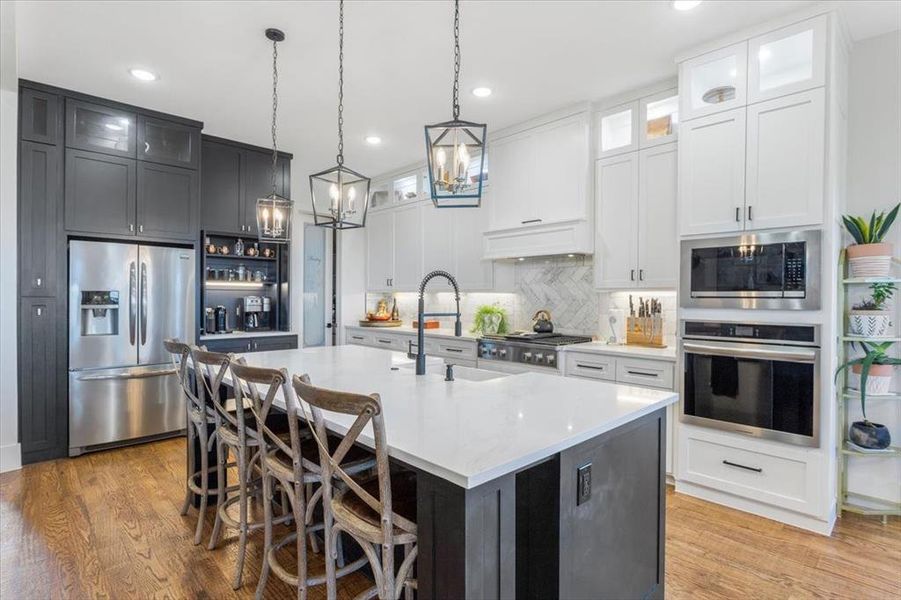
<point>281,342</point>
<point>591,366</point>
<point>359,338</point>
<point>390,342</point>
<point>452,349</point>
<point>774,479</point>
<point>648,373</point>
<point>228,345</point>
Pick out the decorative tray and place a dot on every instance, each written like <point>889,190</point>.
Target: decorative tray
<point>388,323</point>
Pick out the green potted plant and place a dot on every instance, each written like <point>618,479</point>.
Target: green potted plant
<point>869,256</point>
<point>875,371</point>
<point>490,319</point>
<point>869,317</point>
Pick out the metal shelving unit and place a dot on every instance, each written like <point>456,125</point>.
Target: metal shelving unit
<point>852,501</point>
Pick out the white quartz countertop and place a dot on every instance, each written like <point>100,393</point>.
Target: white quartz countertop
<point>668,353</point>
<point>243,334</point>
<point>443,332</point>
<point>468,432</point>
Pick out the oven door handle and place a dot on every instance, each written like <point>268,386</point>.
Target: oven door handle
<point>781,353</point>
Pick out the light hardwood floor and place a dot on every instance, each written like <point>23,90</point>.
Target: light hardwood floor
<point>107,526</point>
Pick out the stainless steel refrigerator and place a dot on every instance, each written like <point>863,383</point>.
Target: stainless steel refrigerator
<point>124,300</point>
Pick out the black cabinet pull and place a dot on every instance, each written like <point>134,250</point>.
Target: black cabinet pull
<point>526,222</point>
<point>640,274</point>
<point>745,467</point>
<point>737,214</point>
<point>593,367</point>
<point>632,274</point>
<point>642,373</point>
<point>749,212</point>
<point>454,350</point>
<point>384,341</point>
<point>356,337</point>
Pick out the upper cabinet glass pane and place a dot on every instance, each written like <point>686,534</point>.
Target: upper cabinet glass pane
<point>714,82</point>
<point>661,118</point>
<point>616,130</point>
<point>166,143</point>
<point>103,130</point>
<point>405,188</point>
<point>786,61</point>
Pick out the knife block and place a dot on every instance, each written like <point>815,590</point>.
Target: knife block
<point>645,331</point>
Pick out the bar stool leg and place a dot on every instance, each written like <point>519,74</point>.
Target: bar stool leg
<point>298,507</point>
<point>267,531</point>
<point>191,468</point>
<point>314,542</point>
<point>242,490</point>
<point>204,484</point>
<point>222,483</point>
<point>408,591</point>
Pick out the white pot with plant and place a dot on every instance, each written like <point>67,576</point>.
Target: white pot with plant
<point>870,317</point>
<point>869,256</point>
<point>490,319</point>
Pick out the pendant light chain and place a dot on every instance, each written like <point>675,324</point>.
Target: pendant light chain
<point>456,106</point>
<point>340,157</point>
<point>274,113</point>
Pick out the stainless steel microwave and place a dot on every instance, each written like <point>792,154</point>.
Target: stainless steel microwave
<point>754,270</point>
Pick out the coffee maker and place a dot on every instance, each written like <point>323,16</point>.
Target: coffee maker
<point>256,311</point>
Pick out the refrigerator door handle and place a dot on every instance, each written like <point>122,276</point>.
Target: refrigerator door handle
<point>132,303</point>
<point>143,303</point>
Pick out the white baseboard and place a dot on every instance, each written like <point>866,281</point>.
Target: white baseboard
<point>10,457</point>
<point>758,508</point>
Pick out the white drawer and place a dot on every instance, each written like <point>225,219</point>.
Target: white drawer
<point>358,338</point>
<point>591,366</point>
<point>774,479</point>
<point>648,373</point>
<point>454,349</point>
<point>390,342</point>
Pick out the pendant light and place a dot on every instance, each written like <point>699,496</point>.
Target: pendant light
<point>274,211</point>
<point>456,149</point>
<point>340,195</point>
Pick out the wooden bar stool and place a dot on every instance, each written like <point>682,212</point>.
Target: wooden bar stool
<point>378,512</point>
<point>200,419</point>
<point>292,464</point>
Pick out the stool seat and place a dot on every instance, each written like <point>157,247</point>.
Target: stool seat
<point>351,511</point>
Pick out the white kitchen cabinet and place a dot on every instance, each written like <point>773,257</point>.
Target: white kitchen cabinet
<point>473,273</point>
<point>511,198</point>
<point>788,60</point>
<point>712,173</point>
<point>657,235</point>
<point>636,219</point>
<point>713,82</point>
<point>658,118</point>
<point>617,130</point>
<point>438,242</point>
<point>379,250</point>
<point>407,248</point>
<point>616,246</point>
<point>785,161</point>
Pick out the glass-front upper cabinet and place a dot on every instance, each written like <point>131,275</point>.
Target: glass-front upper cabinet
<point>168,143</point>
<point>100,128</point>
<point>789,60</point>
<point>379,195</point>
<point>617,130</point>
<point>406,188</point>
<point>658,118</point>
<point>713,82</point>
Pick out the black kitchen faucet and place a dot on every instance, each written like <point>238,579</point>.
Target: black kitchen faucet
<point>421,315</point>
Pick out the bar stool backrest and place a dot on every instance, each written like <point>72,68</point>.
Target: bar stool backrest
<point>212,368</point>
<point>366,409</point>
<point>182,359</point>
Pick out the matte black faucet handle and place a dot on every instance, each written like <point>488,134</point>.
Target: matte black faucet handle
<point>449,373</point>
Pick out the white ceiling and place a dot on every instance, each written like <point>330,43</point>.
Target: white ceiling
<point>214,63</point>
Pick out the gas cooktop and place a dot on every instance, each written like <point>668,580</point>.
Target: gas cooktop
<point>538,349</point>
<point>544,339</point>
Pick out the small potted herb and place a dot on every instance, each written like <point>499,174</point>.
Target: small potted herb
<point>869,256</point>
<point>875,371</point>
<point>490,319</point>
<point>869,317</point>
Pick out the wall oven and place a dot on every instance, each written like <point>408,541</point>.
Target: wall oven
<point>757,379</point>
<point>755,270</point>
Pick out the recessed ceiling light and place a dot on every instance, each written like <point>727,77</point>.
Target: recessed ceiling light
<point>373,140</point>
<point>143,74</point>
<point>685,4</point>
<point>481,92</point>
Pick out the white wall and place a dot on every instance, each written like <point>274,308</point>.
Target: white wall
<point>10,455</point>
<point>874,183</point>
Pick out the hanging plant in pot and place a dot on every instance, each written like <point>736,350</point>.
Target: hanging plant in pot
<point>875,371</point>
<point>870,318</point>
<point>869,256</point>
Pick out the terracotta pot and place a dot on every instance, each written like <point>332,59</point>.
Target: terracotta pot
<point>870,260</point>
<point>869,323</point>
<point>879,379</point>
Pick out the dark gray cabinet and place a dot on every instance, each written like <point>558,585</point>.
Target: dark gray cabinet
<point>100,193</point>
<point>221,205</point>
<point>168,143</point>
<point>167,201</point>
<point>252,344</point>
<point>100,128</point>
<point>39,205</point>
<point>43,412</point>
<point>234,177</point>
<point>39,116</point>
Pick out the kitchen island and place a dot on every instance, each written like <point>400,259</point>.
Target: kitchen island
<point>528,485</point>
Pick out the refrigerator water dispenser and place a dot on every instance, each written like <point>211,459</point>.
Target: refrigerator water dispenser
<point>100,312</point>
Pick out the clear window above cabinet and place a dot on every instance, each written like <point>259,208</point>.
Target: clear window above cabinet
<point>714,82</point>
<point>659,118</point>
<point>406,189</point>
<point>789,60</point>
<point>379,196</point>
<point>617,130</point>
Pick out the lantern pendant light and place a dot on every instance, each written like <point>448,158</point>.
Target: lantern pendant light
<point>274,211</point>
<point>340,195</point>
<point>456,149</point>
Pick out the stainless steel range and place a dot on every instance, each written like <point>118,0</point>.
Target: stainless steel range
<point>532,349</point>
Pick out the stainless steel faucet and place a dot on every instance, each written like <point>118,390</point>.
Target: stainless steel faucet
<point>421,315</point>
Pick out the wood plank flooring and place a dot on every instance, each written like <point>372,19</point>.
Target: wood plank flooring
<point>107,525</point>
